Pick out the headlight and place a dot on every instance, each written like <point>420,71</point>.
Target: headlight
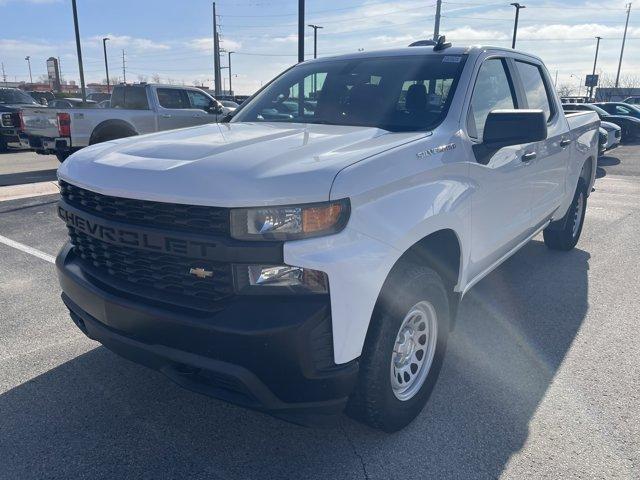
<point>7,120</point>
<point>289,222</point>
<point>279,279</point>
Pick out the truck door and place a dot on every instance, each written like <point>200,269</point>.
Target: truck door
<point>548,170</point>
<point>174,109</point>
<point>501,213</point>
<point>205,108</point>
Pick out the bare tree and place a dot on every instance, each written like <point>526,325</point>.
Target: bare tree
<point>565,90</point>
<point>155,78</point>
<point>142,78</point>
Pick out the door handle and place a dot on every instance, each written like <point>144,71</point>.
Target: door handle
<point>564,142</point>
<point>527,157</point>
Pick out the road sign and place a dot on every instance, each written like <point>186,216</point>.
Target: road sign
<point>591,81</point>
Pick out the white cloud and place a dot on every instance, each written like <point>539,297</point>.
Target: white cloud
<point>132,44</point>
<point>205,44</point>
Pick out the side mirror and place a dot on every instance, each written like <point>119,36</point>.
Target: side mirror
<point>216,108</point>
<point>504,128</point>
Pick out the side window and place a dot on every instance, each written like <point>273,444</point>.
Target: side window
<point>173,98</point>
<point>534,87</point>
<point>492,91</point>
<point>620,110</point>
<point>199,100</point>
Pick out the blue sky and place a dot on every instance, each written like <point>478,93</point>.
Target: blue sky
<point>172,39</point>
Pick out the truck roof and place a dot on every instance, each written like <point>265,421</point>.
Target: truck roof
<point>423,50</point>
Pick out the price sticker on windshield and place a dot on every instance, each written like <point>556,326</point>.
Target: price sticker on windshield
<point>451,59</point>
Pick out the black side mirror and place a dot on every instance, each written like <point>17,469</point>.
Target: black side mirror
<point>216,108</point>
<point>510,127</point>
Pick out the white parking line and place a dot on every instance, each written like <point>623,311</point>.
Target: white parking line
<point>27,249</point>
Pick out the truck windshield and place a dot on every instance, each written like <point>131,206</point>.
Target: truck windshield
<point>397,94</point>
<point>10,96</point>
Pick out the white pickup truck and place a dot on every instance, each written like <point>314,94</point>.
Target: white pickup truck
<point>313,260</point>
<point>135,110</point>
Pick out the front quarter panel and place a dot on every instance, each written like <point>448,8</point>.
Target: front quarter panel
<point>397,198</point>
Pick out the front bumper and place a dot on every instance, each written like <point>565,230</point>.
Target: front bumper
<point>10,136</point>
<point>270,354</point>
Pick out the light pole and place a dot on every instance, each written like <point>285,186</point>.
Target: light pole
<point>230,90</point>
<point>515,24</point>
<point>315,39</point>
<point>624,39</point>
<point>579,83</point>
<point>28,59</point>
<point>595,61</point>
<point>106,63</point>
<point>300,31</point>
<point>79,49</point>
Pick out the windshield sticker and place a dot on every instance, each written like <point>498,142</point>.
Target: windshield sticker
<point>451,59</point>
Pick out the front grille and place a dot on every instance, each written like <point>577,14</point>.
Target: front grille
<point>157,276</point>
<point>618,133</point>
<point>174,216</point>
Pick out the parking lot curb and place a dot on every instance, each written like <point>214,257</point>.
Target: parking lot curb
<point>14,192</point>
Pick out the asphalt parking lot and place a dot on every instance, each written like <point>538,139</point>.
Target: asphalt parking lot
<point>541,379</point>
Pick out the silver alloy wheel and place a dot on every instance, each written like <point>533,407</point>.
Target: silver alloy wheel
<point>577,217</point>
<point>413,351</point>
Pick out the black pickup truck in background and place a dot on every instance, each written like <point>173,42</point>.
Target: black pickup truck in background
<point>12,101</point>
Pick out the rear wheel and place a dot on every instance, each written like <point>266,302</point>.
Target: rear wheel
<point>566,237</point>
<point>3,146</point>
<point>112,132</point>
<point>62,156</point>
<point>404,350</point>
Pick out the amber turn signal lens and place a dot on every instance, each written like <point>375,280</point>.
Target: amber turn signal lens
<point>316,219</point>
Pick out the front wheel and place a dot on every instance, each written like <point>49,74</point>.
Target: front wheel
<point>62,156</point>
<point>566,237</point>
<point>404,350</point>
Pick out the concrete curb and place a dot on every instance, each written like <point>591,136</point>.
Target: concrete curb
<point>14,192</point>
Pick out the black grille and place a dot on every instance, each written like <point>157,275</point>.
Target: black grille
<point>174,216</point>
<point>157,276</point>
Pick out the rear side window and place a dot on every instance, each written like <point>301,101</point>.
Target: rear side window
<point>534,87</point>
<point>173,98</point>
<point>130,97</point>
<point>492,91</point>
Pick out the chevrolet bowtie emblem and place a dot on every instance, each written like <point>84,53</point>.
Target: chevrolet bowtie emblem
<point>200,272</point>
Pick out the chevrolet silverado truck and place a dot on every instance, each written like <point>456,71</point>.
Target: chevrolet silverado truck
<point>135,110</point>
<point>314,264</point>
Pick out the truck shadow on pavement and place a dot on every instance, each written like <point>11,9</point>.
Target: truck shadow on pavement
<point>100,416</point>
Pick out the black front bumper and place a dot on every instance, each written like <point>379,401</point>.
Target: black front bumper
<point>271,354</point>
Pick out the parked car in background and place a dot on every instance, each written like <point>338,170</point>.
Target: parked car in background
<point>630,126</point>
<point>316,263</point>
<point>135,109</point>
<point>602,141</point>
<point>66,103</point>
<point>12,100</point>
<point>104,104</point>
<point>620,108</point>
<point>43,98</point>
<point>634,100</point>
<point>98,97</point>
<point>614,134</point>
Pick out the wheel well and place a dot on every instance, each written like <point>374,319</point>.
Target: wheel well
<point>111,126</point>
<point>439,251</point>
<point>587,171</point>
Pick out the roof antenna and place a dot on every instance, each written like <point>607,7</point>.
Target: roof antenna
<point>437,45</point>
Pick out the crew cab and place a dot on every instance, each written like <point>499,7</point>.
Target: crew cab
<point>135,110</point>
<point>12,100</point>
<point>315,263</point>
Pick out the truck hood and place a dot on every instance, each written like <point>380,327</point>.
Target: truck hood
<point>230,164</point>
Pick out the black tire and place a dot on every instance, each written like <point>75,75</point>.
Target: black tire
<point>62,156</point>
<point>562,235</point>
<point>3,146</point>
<point>112,132</point>
<point>374,402</point>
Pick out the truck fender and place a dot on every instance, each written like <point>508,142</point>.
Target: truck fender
<point>111,130</point>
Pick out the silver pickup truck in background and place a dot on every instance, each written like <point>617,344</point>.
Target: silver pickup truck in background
<point>135,110</point>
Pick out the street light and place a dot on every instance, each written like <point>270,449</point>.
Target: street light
<point>595,61</point>
<point>579,83</point>
<point>230,89</point>
<point>515,25</point>
<point>28,59</point>
<point>315,39</point>
<point>106,63</point>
